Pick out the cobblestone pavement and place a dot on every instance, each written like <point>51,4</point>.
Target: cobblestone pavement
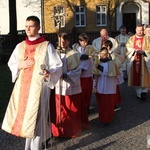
<point>128,131</point>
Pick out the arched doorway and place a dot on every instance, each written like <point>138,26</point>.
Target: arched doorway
<point>130,12</point>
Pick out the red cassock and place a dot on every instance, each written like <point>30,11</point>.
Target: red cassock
<point>106,104</point>
<point>70,116</point>
<point>86,85</point>
<point>118,96</point>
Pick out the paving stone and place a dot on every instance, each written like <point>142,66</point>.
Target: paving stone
<point>128,131</point>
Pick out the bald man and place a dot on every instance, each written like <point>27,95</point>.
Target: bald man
<point>98,42</point>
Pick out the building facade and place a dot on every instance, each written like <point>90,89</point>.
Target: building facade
<point>91,16</point>
<point>78,15</point>
<point>131,13</point>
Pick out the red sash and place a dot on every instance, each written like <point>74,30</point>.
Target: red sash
<point>137,63</point>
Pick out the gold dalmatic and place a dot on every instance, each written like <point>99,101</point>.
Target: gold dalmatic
<point>21,114</point>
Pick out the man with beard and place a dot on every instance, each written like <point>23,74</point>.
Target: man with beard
<point>138,62</point>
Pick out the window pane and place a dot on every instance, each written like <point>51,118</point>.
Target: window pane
<point>61,10</point>
<point>77,9</point>
<point>80,16</point>
<point>103,19</point>
<point>97,9</point>
<point>62,22</point>
<point>103,9</point>
<point>82,9</point>
<point>77,19</point>
<point>82,20</point>
<point>98,19</point>
<point>58,10</point>
<point>101,15</point>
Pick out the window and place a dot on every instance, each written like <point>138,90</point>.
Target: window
<point>59,15</point>
<point>101,16</point>
<point>80,20</point>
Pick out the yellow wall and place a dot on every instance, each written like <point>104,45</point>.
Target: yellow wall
<point>69,8</point>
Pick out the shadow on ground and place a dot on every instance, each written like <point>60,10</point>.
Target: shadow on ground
<point>129,129</point>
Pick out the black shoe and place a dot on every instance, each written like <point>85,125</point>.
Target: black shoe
<point>143,95</point>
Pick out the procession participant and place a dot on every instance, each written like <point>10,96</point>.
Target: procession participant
<point>106,87</point>
<point>130,33</point>
<point>147,30</point>
<point>118,59</point>
<point>122,39</point>
<point>138,62</point>
<point>35,68</point>
<point>71,114</point>
<point>98,42</point>
<point>86,65</point>
<point>115,56</point>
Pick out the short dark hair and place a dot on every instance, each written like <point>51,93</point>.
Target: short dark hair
<point>64,36</point>
<point>122,27</point>
<point>140,25</point>
<point>35,19</point>
<point>83,37</point>
<point>108,43</point>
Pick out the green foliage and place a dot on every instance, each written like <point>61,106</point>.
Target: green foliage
<point>5,89</point>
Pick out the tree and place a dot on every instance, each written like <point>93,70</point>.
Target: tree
<point>12,24</point>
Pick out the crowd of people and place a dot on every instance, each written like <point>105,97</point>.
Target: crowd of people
<point>63,80</point>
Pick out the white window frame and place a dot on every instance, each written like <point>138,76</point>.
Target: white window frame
<point>81,15</point>
<point>62,17</point>
<point>101,15</point>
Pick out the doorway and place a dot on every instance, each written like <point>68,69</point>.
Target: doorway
<point>129,20</point>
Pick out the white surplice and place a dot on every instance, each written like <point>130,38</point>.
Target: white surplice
<point>71,85</point>
<point>107,84</point>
